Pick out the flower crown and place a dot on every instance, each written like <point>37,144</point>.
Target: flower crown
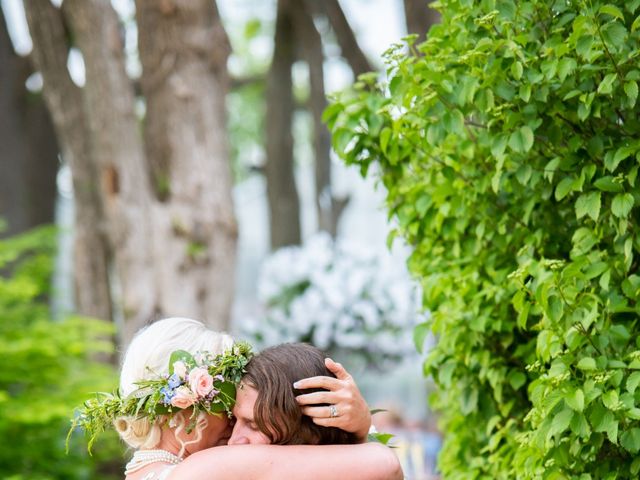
<point>204,382</point>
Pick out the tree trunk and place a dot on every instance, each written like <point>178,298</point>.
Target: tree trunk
<point>64,100</point>
<point>327,207</point>
<point>185,85</point>
<point>284,206</point>
<point>419,17</point>
<point>29,153</point>
<point>118,154</point>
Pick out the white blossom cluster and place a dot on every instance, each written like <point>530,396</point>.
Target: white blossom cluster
<point>340,297</point>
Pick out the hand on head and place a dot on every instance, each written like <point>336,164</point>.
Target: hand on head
<point>346,408</point>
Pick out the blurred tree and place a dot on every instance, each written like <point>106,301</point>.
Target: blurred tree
<point>29,153</point>
<point>284,204</point>
<point>419,17</point>
<point>349,47</point>
<point>295,27</point>
<point>64,99</point>
<point>164,196</point>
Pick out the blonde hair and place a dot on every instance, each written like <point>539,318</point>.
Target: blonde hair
<point>148,357</point>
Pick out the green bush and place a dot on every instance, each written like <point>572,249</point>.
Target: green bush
<point>46,368</point>
<point>509,145</point>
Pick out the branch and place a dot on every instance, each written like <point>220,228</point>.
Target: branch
<point>349,47</point>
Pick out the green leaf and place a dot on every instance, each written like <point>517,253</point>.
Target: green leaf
<point>580,426</point>
<point>564,187</point>
<point>588,204</point>
<point>516,70</point>
<point>380,437</point>
<point>622,205</point>
<point>498,145</point>
<point>575,400</point>
<point>523,315</point>
<point>633,381</point>
<point>517,379</point>
<point>587,363</point>
<point>566,67</point>
<point>608,184</point>
<point>630,440</point>
<point>521,140</point>
<point>610,399</point>
<point>612,10</point>
<point>560,422</point>
<point>607,423</point>
<point>635,465</point>
<point>556,308</point>
<point>420,333</point>
<point>606,86</point>
<point>631,89</point>
<point>523,174</point>
<point>614,34</point>
<point>613,159</point>
<point>385,135</point>
<point>636,24</point>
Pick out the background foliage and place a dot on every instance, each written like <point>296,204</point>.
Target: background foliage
<point>509,144</point>
<point>47,368</point>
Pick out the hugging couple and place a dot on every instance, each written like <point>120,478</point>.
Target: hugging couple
<point>194,405</point>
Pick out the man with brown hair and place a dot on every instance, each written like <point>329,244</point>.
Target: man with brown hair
<point>273,406</point>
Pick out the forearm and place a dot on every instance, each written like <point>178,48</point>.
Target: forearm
<point>304,462</point>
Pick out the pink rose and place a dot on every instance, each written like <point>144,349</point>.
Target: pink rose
<point>200,381</point>
<point>183,398</point>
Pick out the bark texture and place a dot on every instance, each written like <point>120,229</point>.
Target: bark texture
<point>284,204</point>
<point>185,84</point>
<point>28,147</point>
<point>65,102</point>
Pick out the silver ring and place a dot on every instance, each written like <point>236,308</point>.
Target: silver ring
<point>333,411</point>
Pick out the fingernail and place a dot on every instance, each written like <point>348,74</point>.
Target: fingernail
<point>296,384</point>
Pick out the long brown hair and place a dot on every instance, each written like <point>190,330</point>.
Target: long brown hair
<point>277,414</point>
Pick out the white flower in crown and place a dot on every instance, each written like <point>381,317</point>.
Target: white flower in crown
<point>180,369</point>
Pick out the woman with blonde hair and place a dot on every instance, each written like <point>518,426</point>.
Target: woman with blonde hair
<point>177,389</point>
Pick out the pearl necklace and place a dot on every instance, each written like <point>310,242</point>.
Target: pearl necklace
<point>142,458</point>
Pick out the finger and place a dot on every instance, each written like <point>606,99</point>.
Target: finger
<point>327,422</point>
<point>328,383</point>
<point>337,369</point>
<point>317,412</point>
<point>315,398</point>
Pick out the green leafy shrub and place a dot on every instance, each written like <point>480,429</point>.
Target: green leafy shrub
<point>509,144</point>
<point>46,369</point>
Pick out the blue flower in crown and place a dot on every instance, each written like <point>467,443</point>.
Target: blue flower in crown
<point>174,381</point>
<point>167,395</point>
